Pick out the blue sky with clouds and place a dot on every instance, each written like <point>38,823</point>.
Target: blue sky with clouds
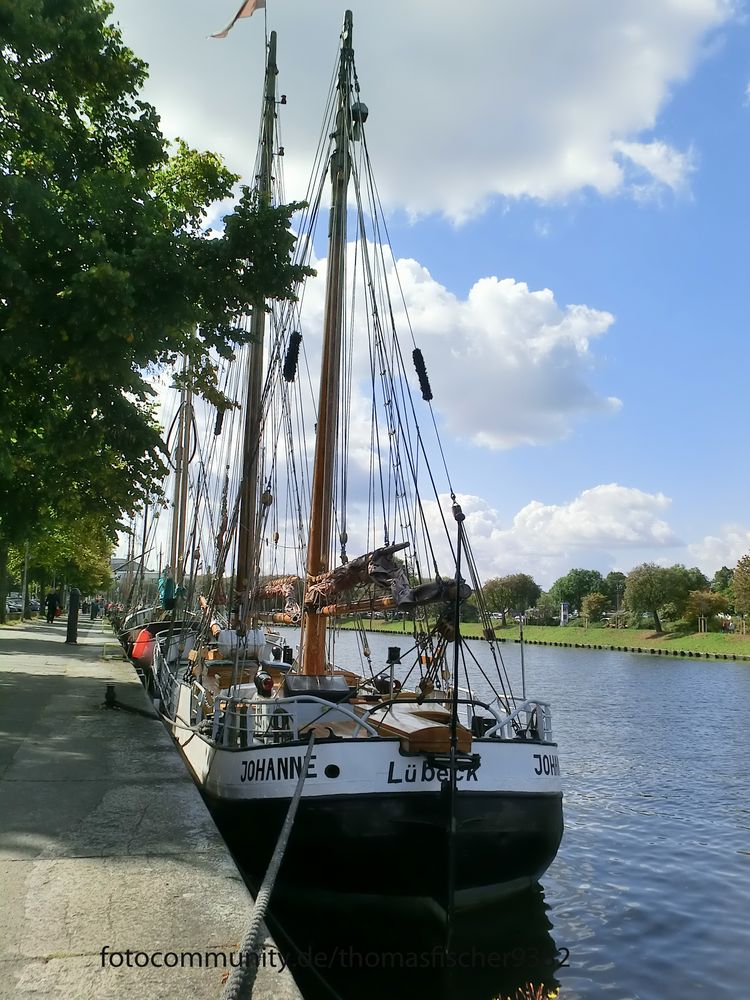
<point>567,183</point>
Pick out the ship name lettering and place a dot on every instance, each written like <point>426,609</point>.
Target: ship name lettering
<point>546,763</point>
<point>410,774</point>
<point>259,768</point>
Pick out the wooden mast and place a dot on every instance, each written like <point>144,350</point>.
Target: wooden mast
<point>314,625</point>
<point>247,531</point>
<point>181,483</point>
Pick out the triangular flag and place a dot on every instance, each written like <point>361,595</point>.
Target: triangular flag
<point>247,9</point>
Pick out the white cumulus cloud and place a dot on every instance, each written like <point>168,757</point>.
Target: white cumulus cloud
<point>507,365</point>
<point>492,99</point>
<point>665,166</point>
<point>714,551</point>
<point>598,529</point>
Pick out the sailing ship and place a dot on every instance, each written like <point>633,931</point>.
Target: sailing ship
<point>428,778</point>
<point>137,630</point>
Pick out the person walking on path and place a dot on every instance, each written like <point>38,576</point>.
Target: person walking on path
<point>52,604</point>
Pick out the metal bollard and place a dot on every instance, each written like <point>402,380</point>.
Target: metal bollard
<point>73,605</point>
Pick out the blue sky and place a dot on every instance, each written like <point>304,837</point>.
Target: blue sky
<point>596,151</point>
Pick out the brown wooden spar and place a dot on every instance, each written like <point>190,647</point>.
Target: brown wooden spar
<point>321,505</point>
<point>249,521</point>
<point>181,469</point>
<point>358,607</point>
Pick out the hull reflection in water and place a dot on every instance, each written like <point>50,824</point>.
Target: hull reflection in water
<point>339,947</point>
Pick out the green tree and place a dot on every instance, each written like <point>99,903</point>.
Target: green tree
<point>704,603</point>
<point>72,549</point>
<point>593,605</point>
<point>647,589</point>
<point>682,583</point>
<point>575,585</point>
<point>497,596</point>
<point>469,611</point>
<point>614,588</point>
<point>741,586</point>
<point>523,590</point>
<point>722,580</point>
<point>515,592</point>
<point>106,267</point>
<point>546,610</point>
<point>722,583</point>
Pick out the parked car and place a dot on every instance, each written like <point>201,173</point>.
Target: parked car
<point>12,606</point>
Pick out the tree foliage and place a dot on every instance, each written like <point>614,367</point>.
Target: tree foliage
<point>575,585</point>
<point>722,580</point>
<point>647,589</point>
<point>106,267</point>
<point>682,583</point>
<point>524,591</point>
<point>546,611</point>
<point>723,583</point>
<point>614,588</point>
<point>593,605</point>
<point>741,586</point>
<point>704,603</point>
<point>515,592</point>
<point>662,590</point>
<point>72,550</point>
<point>497,596</point>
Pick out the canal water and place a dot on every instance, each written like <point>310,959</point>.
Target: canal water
<point>649,897</point>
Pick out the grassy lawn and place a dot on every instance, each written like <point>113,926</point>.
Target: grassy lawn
<point>695,642</point>
<point>691,642</point>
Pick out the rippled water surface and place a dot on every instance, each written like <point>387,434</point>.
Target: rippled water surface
<point>651,888</point>
<point>649,896</point>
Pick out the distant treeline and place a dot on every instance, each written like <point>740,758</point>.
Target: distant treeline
<point>668,593</point>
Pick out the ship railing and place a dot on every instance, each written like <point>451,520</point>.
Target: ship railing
<point>233,722</point>
<point>466,696</point>
<point>198,696</point>
<point>532,718</point>
<point>240,718</point>
<point>531,714</point>
<point>466,700</point>
<point>164,677</point>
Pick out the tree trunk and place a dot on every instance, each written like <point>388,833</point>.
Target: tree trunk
<point>657,623</point>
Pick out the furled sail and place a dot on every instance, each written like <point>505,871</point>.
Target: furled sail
<point>380,568</point>
<point>283,588</point>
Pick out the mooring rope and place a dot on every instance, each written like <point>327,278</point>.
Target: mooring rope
<point>240,984</point>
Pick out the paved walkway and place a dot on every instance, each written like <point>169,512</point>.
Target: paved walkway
<point>105,842</point>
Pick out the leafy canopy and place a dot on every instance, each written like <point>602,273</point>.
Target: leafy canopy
<point>105,265</point>
<point>593,605</point>
<point>741,586</point>
<point>575,585</point>
<point>515,592</point>
<point>73,549</point>
<point>704,603</point>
